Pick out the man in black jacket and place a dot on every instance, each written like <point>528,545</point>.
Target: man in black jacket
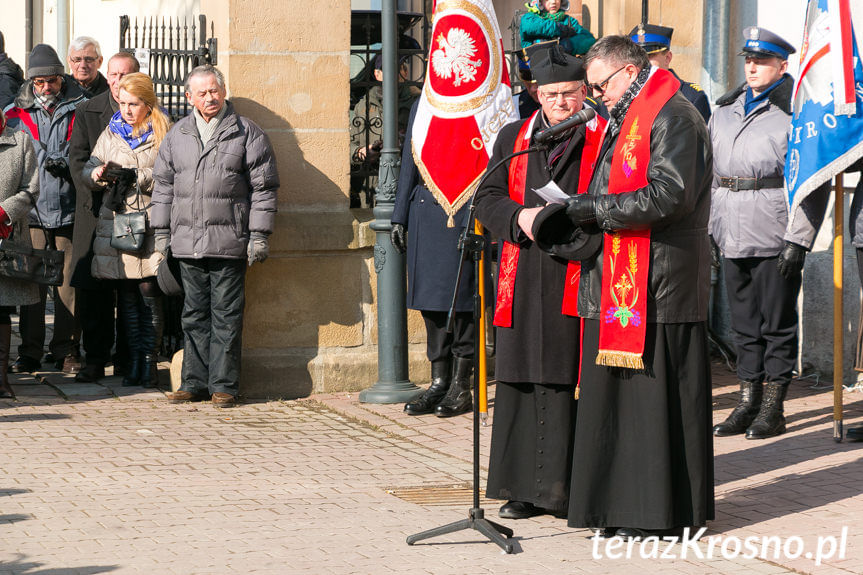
<point>643,457</point>
<point>85,58</point>
<point>11,76</point>
<point>95,298</point>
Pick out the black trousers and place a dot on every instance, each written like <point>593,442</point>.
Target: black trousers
<point>212,324</point>
<point>95,311</point>
<point>440,344</point>
<point>763,318</point>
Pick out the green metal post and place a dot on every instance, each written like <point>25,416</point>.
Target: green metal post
<point>393,385</point>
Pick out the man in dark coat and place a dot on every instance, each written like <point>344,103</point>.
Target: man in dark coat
<point>95,298</point>
<point>643,456</point>
<point>85,58</point>
<point>537,345</point>
<point>656,41</point>
<point>420,229</point>
<point>11,76</point>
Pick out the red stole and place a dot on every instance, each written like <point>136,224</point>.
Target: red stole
<point>509,254</point>
<point>626,253</point>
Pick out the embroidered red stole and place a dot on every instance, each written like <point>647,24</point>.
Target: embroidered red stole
<point>509,254</point>
<point>626,253</point>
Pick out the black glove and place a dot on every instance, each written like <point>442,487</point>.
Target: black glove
<point>715,254</point>
<point>58,168</point>
<point>565,31</point>
<point>399,238</point>
<point>125,177</point>
<point>791,260</point>
<point>581,209</point>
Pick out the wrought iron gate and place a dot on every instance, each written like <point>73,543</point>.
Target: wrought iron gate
<point>172,48</point>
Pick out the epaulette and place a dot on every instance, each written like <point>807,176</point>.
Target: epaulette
<point>695,87</point>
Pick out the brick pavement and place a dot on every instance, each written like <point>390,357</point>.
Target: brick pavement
<point>105,479</point>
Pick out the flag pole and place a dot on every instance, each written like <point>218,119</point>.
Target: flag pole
<point>838,333</point>
<point>480,326</point>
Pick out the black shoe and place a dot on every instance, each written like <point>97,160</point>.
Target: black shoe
<point>744,413</point>
<point>429,400</point>
<point>25,365</point>
<point>90,374</point>
<point>854,434</point>
<point>519,510</point>
<point>49,358</point>
<point>770,421</point>
<point>458,398</point>
<point>632,533</point>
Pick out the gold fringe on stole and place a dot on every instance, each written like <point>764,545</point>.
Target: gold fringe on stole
<point>619,359</point>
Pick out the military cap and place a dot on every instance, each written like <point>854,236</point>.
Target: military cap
<point>550,64</point>
<point>652,37</point>
<point>762,43</point>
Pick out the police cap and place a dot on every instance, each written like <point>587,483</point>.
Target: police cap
<point>762,43</point>
<point>651,37</point>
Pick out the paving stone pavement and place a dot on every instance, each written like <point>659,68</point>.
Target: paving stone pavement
<point>105,479</point>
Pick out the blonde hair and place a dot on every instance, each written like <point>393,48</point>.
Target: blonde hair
<point>141,86</point>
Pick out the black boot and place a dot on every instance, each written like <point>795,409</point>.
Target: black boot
<point>770,420</point>
<point>441,371</point>
<point>458,398</point>
<point>127,305</point>
<point>151,339</point>
<point>5,343</point>
<point>743,415</point>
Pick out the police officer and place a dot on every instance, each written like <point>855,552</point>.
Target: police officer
<point>749,221</point>
<point>656,41</point>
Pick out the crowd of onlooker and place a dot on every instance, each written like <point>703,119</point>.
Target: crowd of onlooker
<point>139,208</point>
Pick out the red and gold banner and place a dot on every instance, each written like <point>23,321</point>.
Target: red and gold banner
<point>466,100</point>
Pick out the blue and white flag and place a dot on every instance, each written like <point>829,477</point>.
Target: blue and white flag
<point>827,125</point>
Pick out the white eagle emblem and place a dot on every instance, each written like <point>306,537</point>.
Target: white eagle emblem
<point>453,57</point>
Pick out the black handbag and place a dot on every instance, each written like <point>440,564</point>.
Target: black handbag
<point>130,228</point>
<point>25,263</point>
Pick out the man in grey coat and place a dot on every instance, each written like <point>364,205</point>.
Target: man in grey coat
<point>764,249</point>
<point>214,205</point>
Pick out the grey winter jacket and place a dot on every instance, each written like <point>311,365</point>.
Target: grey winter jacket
<point>18,182</point>
<point>211,197</point>
<point>50,137</point>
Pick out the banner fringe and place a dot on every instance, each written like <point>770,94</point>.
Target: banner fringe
<point>619,359</point>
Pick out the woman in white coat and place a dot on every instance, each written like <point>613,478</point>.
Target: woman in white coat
<point>122,160</point>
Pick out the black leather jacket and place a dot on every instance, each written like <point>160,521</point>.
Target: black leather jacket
<point>675,206</point>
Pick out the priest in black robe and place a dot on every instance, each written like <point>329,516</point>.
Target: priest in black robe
<point>537,359</point>
<point>643,456</point>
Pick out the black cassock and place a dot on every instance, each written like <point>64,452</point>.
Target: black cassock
<point>537,359</point>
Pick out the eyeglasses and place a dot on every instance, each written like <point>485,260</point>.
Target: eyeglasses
<point>553,96</point>
<point>88,59</point>
<point>47,80</point>
<point>600,88</point>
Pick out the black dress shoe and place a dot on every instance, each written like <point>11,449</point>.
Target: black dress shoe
<point>632,533</point>
<point>519,510</point>
<point>854,434</point>
<point>25,365</point>
<point>90,374</point>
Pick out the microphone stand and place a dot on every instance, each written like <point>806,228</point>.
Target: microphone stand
<point>471,246</point>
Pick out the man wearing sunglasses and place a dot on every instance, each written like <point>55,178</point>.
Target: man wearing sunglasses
<point>45,110</point>
<point>643,456</point>
<point>537,345</point>
<point>85,59</point>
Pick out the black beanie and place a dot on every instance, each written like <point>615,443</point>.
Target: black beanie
<point>44,62</point>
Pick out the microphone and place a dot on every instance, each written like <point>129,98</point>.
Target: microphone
<point>577,119</point>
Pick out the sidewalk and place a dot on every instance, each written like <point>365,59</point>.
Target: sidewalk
<point>97,478</point>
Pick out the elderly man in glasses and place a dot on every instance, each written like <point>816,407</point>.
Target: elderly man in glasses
<point>85,58</point>
<point>643,456</point>
<point>537,345</point>
<point>45,110</point>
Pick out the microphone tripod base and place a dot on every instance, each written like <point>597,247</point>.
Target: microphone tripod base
<point>477,521</point>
